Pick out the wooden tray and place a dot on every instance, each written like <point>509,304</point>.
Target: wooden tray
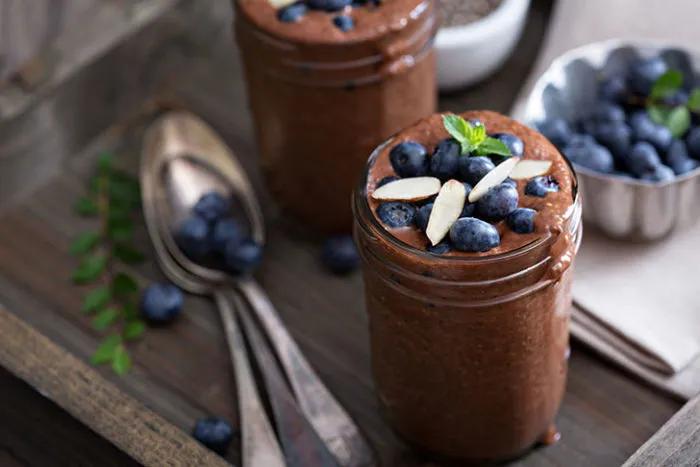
<point>183,372</point>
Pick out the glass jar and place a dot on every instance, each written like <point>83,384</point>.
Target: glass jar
<point>469,354</point>
<point>321,106</point>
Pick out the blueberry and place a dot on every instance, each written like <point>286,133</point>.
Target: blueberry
<point>498,202</point>
<point>677,158</point>
<point>242,257</point>
<point>385,180</point>
<point>680,60</point>
<point>193,238</point>
<point>396,213</point>
<point>661,173</point>
<point>474,235</point>
<point>616,136</point>
<point>225,231</point>
<point>644,129</point>
<point>445,159</point>
<point>328,5</point>
<point>476,122</point>
<point>212,206</point>
<point>693,142</point>
<point>339,254</point>
<point>613,89</point>
<point>512,142</point>
<point>473,169</point>
<point>511,182</point>
<point>522,220</point>
<point>409,159</point>
<point>423,215</point>
<point>607,112</point>
<point>642,159</point>
<point>540,186</point>
<point>344,22</point>
<point>557,130</point>
<point>643,73</point>
<point>584,151</point>
<point>679,97</point>
<point>292,13</point>
<point>213,432</point>
<point>468,210</point>
<point>441,248</point>
<point>161,303</point>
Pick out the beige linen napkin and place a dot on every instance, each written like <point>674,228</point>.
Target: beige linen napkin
<point>637,304</point>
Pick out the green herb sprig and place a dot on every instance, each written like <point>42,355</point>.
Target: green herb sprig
<point>676,118</point>
<point>113,198</point>
<point>473,138</point>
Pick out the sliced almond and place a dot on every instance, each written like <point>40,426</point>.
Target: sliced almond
<point>446,210</point>
<point>529,168</point>
<point>408,189</point>
<point>493,178</point>
<point>281,3</point>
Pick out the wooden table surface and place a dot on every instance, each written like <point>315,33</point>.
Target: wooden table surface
<point>183,372</point>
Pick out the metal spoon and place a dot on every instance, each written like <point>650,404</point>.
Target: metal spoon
<point>260,447</point>
<point>198,162</point>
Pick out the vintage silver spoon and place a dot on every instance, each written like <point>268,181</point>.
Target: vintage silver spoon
<point>198,162</point>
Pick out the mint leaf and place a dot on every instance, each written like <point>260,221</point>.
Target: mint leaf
<point>134,330</point>
<point>104,318</point>
<point>127,254</point>
<point>658,114</point>
<point>478,134</point>
<point>666,84</point>
<point>456,127</point>
<point>84,242</point>
<point>105,352</point>
<point>121,362</point>
<point>678,121</point>
<point>86,207</point>
<point>123,284</point>
<point>89,269</point>
<point>492,146</point>
<point>96,299</point>
<point>694,100</point>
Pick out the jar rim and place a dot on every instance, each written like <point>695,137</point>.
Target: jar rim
<point>366,219</point>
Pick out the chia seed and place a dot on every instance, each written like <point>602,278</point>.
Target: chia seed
<point>461,12</point>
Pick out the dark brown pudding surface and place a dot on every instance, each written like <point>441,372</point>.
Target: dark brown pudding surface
<point>551,209</point>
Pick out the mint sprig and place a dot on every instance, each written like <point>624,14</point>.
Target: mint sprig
<point>112,200</point>
<point>676,118</point>
<point>473,138</point>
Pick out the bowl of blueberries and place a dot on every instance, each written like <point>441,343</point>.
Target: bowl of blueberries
<point>627,116</point>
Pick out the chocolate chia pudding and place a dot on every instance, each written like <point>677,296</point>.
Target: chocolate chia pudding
<point>469,333</point>
<point>327,81</point>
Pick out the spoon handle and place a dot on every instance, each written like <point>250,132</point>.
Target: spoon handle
<point>260,447</point>
<point>301,444</point>
<point>327,416</point>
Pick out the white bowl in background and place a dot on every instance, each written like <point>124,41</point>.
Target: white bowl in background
<point>469,53</point>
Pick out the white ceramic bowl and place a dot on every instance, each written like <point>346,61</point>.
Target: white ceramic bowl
<point>467,54</point>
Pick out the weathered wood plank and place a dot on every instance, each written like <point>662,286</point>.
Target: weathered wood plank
<point>676,444</point>
<point>70,383</point>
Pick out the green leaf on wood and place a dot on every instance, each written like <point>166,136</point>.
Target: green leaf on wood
<point>90,268</point>
<point>120,229</point>
<point>131,310</point>
<point>694,100</point>
<point>104,162</point>
<point>666,84</point>
<point>134,330</point>
<point>84,242</point>
<point>86,207</point>
<point>678,121</point>
<point>121,361</point>
<point>96,299</point>
<point>127,254</point>
<point>104,318</point>
<point>124,285</point>
<point>105,351</point>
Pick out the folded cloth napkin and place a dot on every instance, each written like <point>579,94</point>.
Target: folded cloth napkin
<point>639,305</point>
